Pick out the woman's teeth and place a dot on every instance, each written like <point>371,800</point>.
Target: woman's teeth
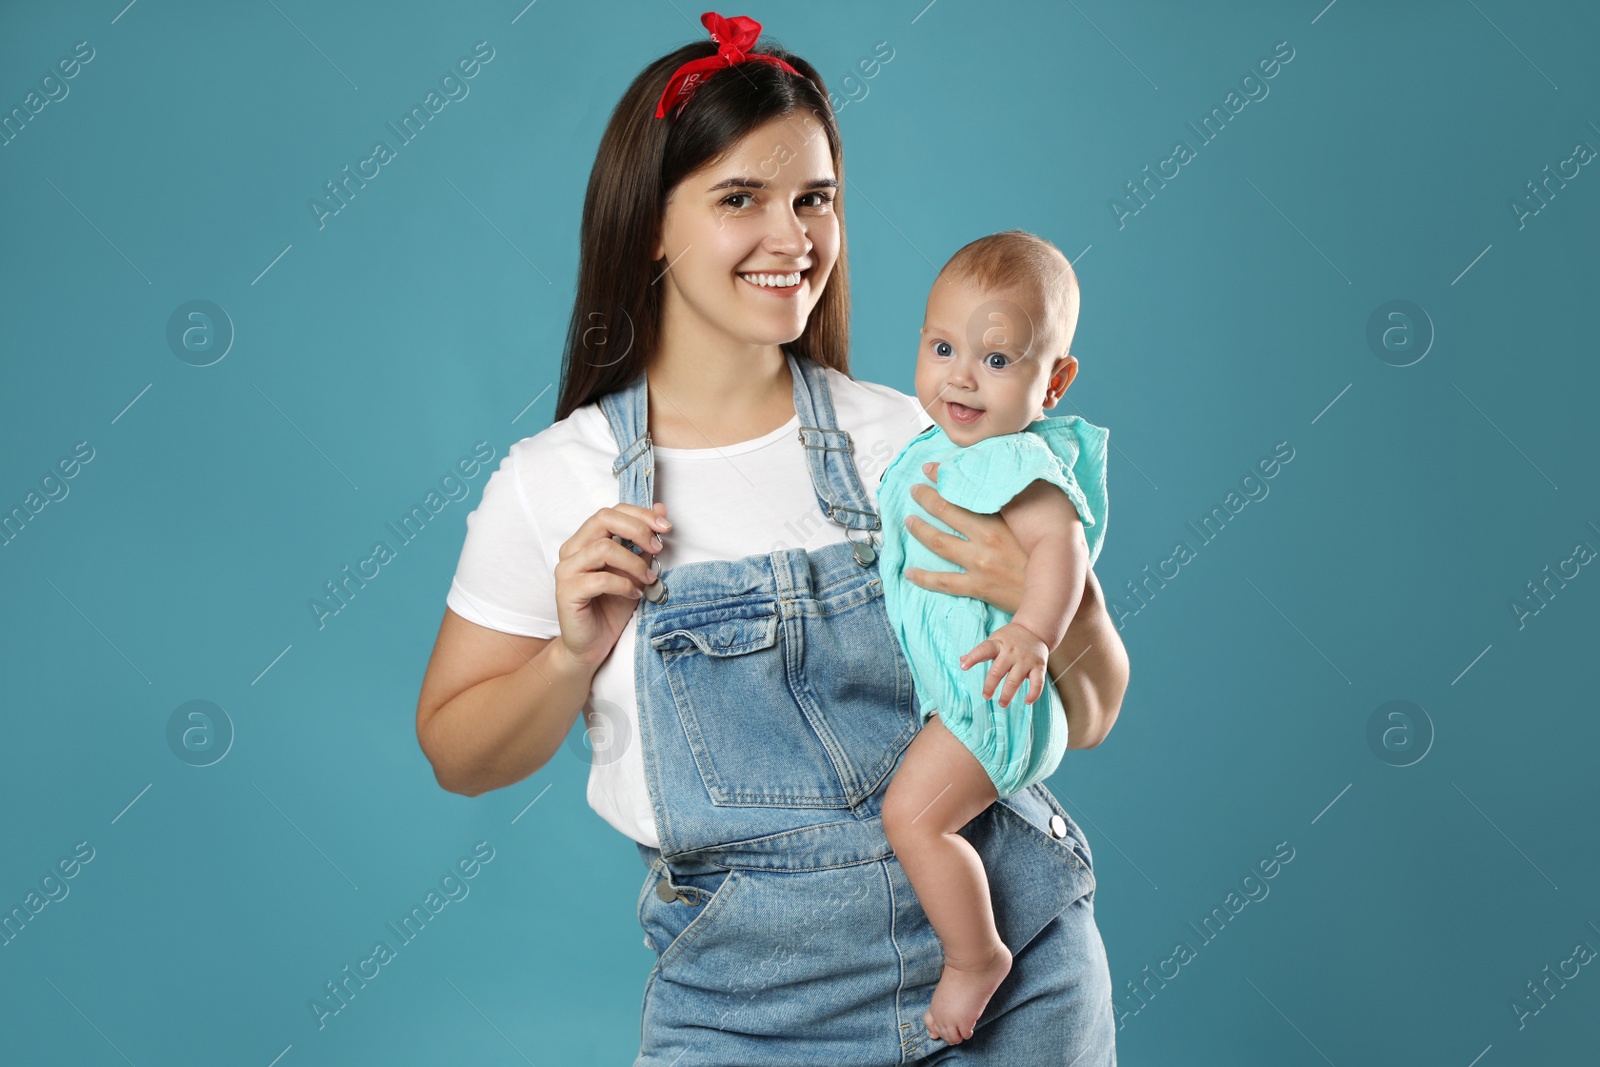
<point>773,281</point>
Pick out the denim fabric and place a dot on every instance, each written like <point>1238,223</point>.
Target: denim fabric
<point>774,704</point>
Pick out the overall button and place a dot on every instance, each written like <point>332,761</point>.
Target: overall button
<point>863,551</point>
<point>691,895</point>
<point>1058,826</point>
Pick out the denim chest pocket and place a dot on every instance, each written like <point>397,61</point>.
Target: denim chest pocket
<point>726,637</point>
<point>787,711</point>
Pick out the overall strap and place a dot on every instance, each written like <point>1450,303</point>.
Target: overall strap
<point>628,411</point>
<point>829,451</point>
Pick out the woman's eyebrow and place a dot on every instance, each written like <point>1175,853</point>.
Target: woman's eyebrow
<point>757,183</point>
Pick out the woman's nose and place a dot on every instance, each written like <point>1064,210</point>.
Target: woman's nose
<point>788,235</point>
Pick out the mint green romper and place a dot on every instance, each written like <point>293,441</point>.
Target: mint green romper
<point>1024,743</point>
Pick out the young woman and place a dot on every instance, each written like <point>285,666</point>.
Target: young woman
<point>739,656</point>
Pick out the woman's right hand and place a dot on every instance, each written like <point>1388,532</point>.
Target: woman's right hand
<point>598,578</point>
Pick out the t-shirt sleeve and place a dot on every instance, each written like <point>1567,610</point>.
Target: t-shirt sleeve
<point>504,579</point>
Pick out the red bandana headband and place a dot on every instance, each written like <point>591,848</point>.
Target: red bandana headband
<point>733,36</point>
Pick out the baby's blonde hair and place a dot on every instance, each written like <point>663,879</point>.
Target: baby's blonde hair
<point>1017,259</point>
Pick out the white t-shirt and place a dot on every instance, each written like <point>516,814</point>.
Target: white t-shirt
<point>725,503</point>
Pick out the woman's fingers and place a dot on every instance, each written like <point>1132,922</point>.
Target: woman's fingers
<point>972,547</point>
<point>992,561</point>
<point>607,553</point>
<point>637,524</point>
<point>935,581</point>
<point>947,546</point>
<point>592,584</point>
<point>605,558</point>
<point>953,515</point>
<point>584,586</point>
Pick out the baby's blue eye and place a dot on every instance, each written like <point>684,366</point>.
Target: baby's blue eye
<point>1004,362</point>
<point>942,348</point>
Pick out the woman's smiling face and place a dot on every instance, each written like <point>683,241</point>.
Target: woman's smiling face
<point>766,208</point>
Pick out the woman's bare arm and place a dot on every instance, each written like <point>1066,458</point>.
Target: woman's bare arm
<point>495,707</point>
<point>1089,668</point>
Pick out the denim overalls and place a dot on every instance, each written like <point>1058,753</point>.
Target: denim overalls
<point>774,705</point>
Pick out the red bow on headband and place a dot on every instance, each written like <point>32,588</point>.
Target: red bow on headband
<point>733,36</point>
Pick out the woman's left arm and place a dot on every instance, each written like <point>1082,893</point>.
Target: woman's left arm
<point>1089,667</point>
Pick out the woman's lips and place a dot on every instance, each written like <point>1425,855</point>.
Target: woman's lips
<point>962,413</point>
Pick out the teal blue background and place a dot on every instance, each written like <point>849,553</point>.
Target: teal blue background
<point>1228,315</point>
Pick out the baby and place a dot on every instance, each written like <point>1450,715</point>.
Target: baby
<point>994,351</point>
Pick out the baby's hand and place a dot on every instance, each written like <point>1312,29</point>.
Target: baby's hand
<point>1019,655</point>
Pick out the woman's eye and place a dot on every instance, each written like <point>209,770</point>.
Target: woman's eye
<point>823,199</point>
<point>942,348</point>
<point>1002,365</point>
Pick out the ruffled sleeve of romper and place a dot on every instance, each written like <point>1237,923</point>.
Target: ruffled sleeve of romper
<point>1065,451</point>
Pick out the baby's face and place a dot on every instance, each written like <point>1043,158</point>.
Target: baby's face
<point>983,355</point>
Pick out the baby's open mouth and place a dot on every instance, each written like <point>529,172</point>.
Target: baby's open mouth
<point>962,413</point>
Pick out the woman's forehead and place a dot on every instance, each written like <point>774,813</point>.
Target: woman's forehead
<point>777,143</point>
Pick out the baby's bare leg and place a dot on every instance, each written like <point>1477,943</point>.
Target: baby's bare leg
<point>939,788</point>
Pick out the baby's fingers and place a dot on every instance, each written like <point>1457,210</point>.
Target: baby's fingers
<point>1030,680</point>
<point>986,649</point>
<point>1015,677</point>
<point>997,674</point>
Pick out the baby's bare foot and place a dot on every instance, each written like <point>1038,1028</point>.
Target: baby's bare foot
<point>962,994</point>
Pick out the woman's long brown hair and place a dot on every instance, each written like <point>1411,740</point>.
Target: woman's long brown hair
<point>616,314</point>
